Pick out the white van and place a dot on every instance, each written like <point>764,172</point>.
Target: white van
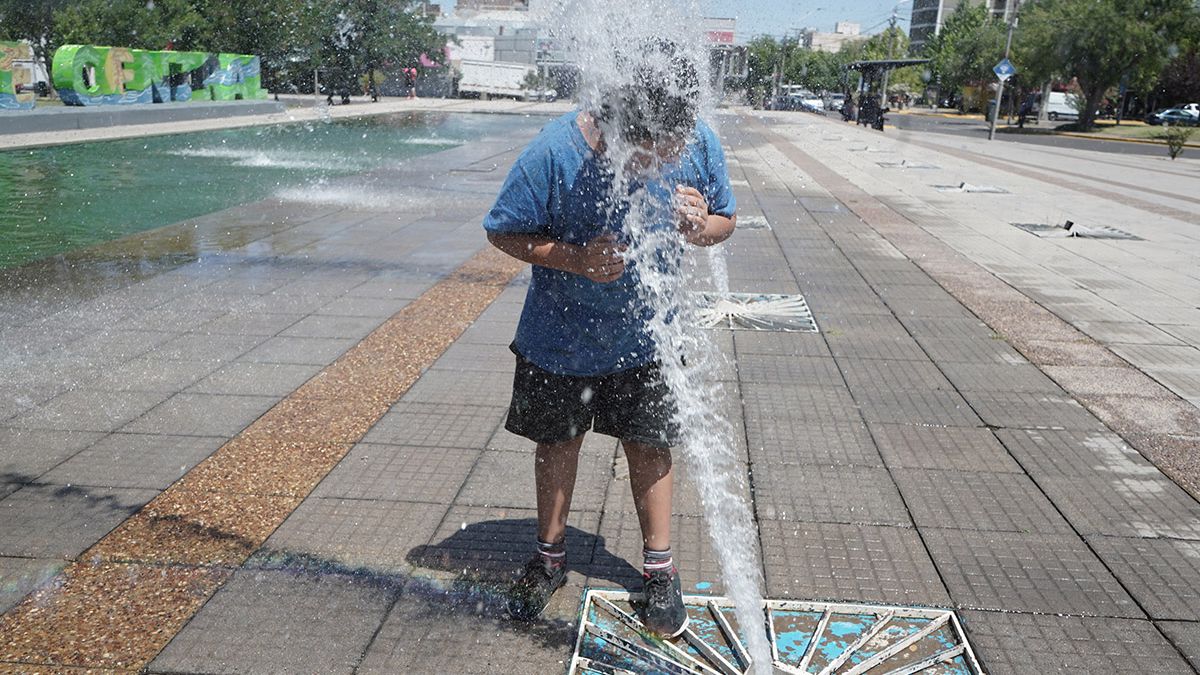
<point>1061,106</point>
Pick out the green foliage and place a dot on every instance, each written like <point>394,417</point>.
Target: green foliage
<point>963,53</point>
<point>763,54</point>
<point>1101,43</point>
<point>1176,137</point>
<point>1180,81</point>
<point>32,20</point>
<point>163,24</point>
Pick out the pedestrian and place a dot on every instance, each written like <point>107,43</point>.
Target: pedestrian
<point>584,356</point>
<point>410,82</point>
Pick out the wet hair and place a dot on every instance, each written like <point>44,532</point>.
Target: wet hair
<point>659,102</point>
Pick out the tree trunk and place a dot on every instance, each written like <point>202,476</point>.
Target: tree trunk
<point>1087,116</point>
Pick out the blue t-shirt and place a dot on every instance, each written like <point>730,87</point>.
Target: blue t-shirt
<point>559,188</point>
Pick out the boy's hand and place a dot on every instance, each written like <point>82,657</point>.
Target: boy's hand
<point>691,210</point>
<point>600,259</point>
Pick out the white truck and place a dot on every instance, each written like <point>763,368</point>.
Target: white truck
<point>493,78</point>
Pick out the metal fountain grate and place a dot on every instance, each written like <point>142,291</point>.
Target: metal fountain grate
<point>753,223</point>
<point>974,189</point>
<point>755,311</point>
<point>1070,229</point>
<point>806,637</point>
<point>905,164</point>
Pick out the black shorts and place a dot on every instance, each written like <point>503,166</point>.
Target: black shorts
<point>632,405</point>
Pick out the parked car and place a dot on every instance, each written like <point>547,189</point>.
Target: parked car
<point>835,102</point>
<point>1177,116</point>
<point>1191,108</point>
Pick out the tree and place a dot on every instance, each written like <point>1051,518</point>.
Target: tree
<point>762,57</point>
<point>1180,80</point>
<point>161,24</point>
<point>1100,43</point>
<point>32,20</point>
<point>970,43</point>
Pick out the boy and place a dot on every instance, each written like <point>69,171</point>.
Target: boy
<point>584,358</point>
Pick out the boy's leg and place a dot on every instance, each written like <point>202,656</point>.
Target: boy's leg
<point>554,469</point>
<point>650,477</point>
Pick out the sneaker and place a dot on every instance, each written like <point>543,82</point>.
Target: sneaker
<point>664,612</point>
<point>531,593</point>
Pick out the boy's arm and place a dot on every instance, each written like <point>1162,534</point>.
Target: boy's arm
<point>599,260</point>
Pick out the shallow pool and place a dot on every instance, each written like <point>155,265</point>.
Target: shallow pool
<point>54,200</point>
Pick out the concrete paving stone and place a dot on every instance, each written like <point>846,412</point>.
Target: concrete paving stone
<point>358,306</point>
<point>461,388</point>
<point>505,479</point>
<point>951,448</point>
<point>1125,506</point>
<point>21,576</point>
<point>171,321</point>
<point>134,461</point>
<point>1183,381</point>
<point>901,296</point>
<point>866,375</point>
<point>431,424</point>
<point>445,627</point>
<point>1158,356</point>
<point>1008,642</point>
<point>399,473</point>
<point>255,622</point>
<point>1185,635</point>
<point>1048,453</point>
<point>791,441</point>
<point>889,349</point>
<point>947,328</point>
<point>810,371</point>
<point>947,308</point>
<point>822,305</point>
<point>314,351</point>
<point>391,288</point>
<point>824,494</point>
<point>489,544</point>
<point>936,407</point>
<point>247,378</point>
<point>487,332</point>
<point>199,300</point>
<point>618,558</point>
<point>1134,414</point>
<point>279,304</point>
<point>1162,574</point>
<point>325,326</point>
<point>1187,332</point>
<point>1005,502</point>
<point>822,205</point>
<point>61,521</point>
<point>334,284</point>
<point>1020,572</point>
<point>1024,410</point>
<point>778,286</point>
<point>115,346</point>
<point>151,374</point>
<point>851,563</point>
<point>765,404</point>
<point>250,323</point>
<point>7,488</point>
<point>1024,378</point>
<point>780,344</point>
<point>248,282</point>
<point>909,275</point>
<point>26,454</point>
<point>202,415</point>
<point>82,410</point>
<point>970,350</point>
<point>202,347</point>
<point>350,536</point>
<point>482,357</point>
<point>1126,332</point>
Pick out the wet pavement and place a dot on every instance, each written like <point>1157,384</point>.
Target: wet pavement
<point>270,439</point>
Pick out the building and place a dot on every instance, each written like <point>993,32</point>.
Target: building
<point>928,17</point>
<point>843,32</point>
<point>468,6</point>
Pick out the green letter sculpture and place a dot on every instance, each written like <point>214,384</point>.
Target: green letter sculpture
<point>9,78</point>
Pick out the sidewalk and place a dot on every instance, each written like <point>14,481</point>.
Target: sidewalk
<point>289,455</point>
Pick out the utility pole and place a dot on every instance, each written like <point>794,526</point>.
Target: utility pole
<point>1012,25</point>
<point>891,54</point>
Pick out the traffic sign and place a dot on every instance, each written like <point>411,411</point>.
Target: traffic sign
<point>1005,69</point>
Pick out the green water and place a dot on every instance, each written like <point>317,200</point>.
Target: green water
<point>60,199</point>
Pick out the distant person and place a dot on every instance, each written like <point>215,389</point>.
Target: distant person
<point>410,82</point>
<point>585,359</point>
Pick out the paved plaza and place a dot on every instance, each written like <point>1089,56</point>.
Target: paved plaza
<point>270,439</point>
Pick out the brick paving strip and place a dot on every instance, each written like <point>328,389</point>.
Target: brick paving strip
<point>119,604</point>
<point>1150,417</point>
